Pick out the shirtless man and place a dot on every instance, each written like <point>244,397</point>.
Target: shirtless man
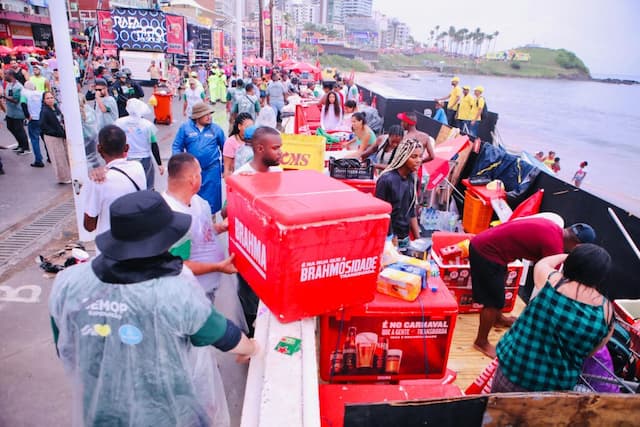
<point>408,122</point>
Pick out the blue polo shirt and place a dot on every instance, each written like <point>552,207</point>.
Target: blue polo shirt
<point>206,145</point>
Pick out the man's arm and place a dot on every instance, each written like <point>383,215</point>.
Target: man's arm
<point>100,102</point>
<point>178,145</point>
<point>226,266</point>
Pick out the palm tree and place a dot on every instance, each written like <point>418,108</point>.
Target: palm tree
<point>260,29</point>
<point>441,38</point>
<point>495,39</point>
<point>460,38</point>
<point>476,40</point>
<point>489,37</point>
<point>452,35</point>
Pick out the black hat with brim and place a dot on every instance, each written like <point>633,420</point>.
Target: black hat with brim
<point>142,226</point>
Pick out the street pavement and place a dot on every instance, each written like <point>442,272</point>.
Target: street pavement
<point>33,388</point>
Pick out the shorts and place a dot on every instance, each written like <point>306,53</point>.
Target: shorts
<point>487,279</point>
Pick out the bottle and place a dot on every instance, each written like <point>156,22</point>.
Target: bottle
<point>380,355</point>
<point>349,352</point>
<point>434,273</point>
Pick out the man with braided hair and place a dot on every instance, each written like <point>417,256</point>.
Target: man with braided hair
<point>397,186</point>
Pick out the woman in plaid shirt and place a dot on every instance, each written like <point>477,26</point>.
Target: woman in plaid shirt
<point>568,320</point>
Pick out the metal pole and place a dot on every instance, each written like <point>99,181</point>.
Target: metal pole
<point>239,65</point>
<point>624,232</point>
<point>70,106</point>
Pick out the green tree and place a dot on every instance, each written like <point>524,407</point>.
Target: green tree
<point>569,61</point>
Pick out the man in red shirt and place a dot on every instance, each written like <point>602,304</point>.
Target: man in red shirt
<point>491,251</point>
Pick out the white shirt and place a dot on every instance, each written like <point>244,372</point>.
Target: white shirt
<point>34,102</point>
<point>99,196</point>
<point>248,169</point>
<point>204,244</point>
<point>139,134</point>
<point>192,97</point>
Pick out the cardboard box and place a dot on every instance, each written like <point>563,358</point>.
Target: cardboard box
<point>457,277</point>
<point>306,243</point>
<point>303,152</point>
<point>393,339</point>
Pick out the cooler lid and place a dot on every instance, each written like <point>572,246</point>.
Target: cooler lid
<point>305,196</point>
<point>428,303</point>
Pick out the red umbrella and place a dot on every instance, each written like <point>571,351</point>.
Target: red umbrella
<point>263,62</point>
<point>302,67</point>
<point>256,62</point>
<point>286,62</point>
<point>23,49</point>
<point>252,61</point>
<point>4,51</point>
<point>39,51</point>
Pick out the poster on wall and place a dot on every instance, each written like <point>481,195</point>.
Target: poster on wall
<point>218,44</point>
<point>105,29</point>
<point>175,34</point>
<point>139,29</point>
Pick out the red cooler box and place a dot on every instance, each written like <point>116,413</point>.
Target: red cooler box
<point>306,243</point>
<point>458,278</point>
<point>335,397</point>
<point>389,339</point>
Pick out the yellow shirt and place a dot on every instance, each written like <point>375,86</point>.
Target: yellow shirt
<point>466,108</point>
<point>476,110</point>
<point>456,92</point>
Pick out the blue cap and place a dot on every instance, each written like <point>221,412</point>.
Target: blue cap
<point>248,132</point>
<point>583,232</point>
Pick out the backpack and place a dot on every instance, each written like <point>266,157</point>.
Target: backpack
<point>247,105</point>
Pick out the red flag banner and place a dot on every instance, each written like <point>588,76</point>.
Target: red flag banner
<point>175,34</point>
<point>105,29</point>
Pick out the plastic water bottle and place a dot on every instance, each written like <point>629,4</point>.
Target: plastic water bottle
<point>434,274</point>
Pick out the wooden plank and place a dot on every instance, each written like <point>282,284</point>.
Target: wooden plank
<point>463,359</point>
<point>562,409</point>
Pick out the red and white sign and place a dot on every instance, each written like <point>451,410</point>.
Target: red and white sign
<point>175,34</point>
<point>105,29</point>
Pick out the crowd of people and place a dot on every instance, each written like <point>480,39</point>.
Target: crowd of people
<point>552,162</point>
<point>135,308</point>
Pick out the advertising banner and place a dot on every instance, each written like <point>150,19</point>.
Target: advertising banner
<point>218,44</point>
<point>139,29</point>
<point>105,29</point>
<point>175,34</point>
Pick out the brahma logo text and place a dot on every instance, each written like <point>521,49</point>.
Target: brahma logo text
<point>338,267</point>
<point>251,247</point>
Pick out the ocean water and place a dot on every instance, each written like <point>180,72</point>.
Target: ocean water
<point>596,122</point>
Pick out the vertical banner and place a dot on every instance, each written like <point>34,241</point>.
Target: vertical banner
<point>218,44</point>
<point>105,29</point>
<point>175,34</point>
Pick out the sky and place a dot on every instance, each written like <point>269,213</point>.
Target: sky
<point>604,34</point>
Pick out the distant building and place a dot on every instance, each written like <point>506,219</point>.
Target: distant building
<point>357,7</point>
<point>362,32</point>
<point>335,12</point>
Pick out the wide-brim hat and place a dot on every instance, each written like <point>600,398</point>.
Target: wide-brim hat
<point>406,119</point>
<point>142,226</point>
<point>200,109</point>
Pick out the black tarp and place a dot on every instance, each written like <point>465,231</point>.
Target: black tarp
<point>577,205</point>
<point>390,107</point>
